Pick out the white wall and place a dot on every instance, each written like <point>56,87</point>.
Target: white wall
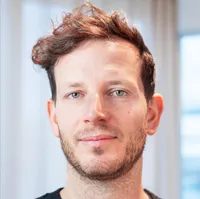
<point>189,17</point>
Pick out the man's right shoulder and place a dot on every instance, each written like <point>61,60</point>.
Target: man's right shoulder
<point>53,195</point>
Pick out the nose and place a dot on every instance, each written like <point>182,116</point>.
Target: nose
<point>95,111</point>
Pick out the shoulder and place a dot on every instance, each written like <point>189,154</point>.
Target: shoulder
<point>53,195</point>
<point>151,195</point>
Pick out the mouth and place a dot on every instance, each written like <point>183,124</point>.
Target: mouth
<point>97,140</point>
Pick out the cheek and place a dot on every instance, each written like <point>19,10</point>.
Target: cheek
<point>132,117</point>
<point>67,119</point>
<point>136,116</point>
<point>137,111</point>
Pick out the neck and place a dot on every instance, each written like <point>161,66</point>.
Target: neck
<point>128,186</point>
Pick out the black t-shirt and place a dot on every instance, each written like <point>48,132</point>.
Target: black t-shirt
<point>56,195</point>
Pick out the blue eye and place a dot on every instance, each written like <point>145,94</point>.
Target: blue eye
<point>119,93</point>
<point>74,95</point>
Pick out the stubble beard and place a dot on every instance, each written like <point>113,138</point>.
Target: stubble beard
<point>134,151</point>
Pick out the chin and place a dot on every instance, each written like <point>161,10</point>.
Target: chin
<point>98,167</point>
<point>103,171</point>
<point>100,159</point>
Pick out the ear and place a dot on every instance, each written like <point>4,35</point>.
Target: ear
<point>51,110</point>
<point>154,112</point>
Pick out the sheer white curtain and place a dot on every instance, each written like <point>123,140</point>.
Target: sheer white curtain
<point>31,159</point>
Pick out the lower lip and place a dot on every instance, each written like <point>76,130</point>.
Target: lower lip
<point>98,143</point>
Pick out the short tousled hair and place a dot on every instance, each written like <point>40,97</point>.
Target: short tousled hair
<point>85,23</point>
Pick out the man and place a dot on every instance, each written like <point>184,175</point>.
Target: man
<point>103,105</point>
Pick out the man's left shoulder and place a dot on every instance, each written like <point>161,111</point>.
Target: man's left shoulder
<point>151,195</point>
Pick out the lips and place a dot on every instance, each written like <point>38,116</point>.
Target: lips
<point>97,138</point>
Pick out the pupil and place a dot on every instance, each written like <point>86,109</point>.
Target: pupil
<point>75,94</point>
<point>119,93</point>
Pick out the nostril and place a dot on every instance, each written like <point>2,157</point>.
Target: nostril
<point>95,117</point>
<point>86,121</point>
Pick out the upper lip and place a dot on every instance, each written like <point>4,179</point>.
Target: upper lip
<point>97,137</point>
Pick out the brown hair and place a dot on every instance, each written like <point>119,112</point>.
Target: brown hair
<point>86,23</point>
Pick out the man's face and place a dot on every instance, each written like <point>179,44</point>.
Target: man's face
<point>100,112</point>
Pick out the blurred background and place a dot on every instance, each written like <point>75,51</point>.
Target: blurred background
<point>32,162</point>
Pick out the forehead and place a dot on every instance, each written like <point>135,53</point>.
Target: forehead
<point>99,58</point>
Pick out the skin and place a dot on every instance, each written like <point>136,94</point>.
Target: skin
<point>100,92</point>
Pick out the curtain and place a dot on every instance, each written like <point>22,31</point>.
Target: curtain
<point>32,162</point>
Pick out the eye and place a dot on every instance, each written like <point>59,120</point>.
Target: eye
<point>74,95</point>
<point>118,93</point>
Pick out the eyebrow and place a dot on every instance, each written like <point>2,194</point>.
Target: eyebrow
<point>115,82</point>
<point>119,82</point>
<point>75,84</point>
<point>110,83</point>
